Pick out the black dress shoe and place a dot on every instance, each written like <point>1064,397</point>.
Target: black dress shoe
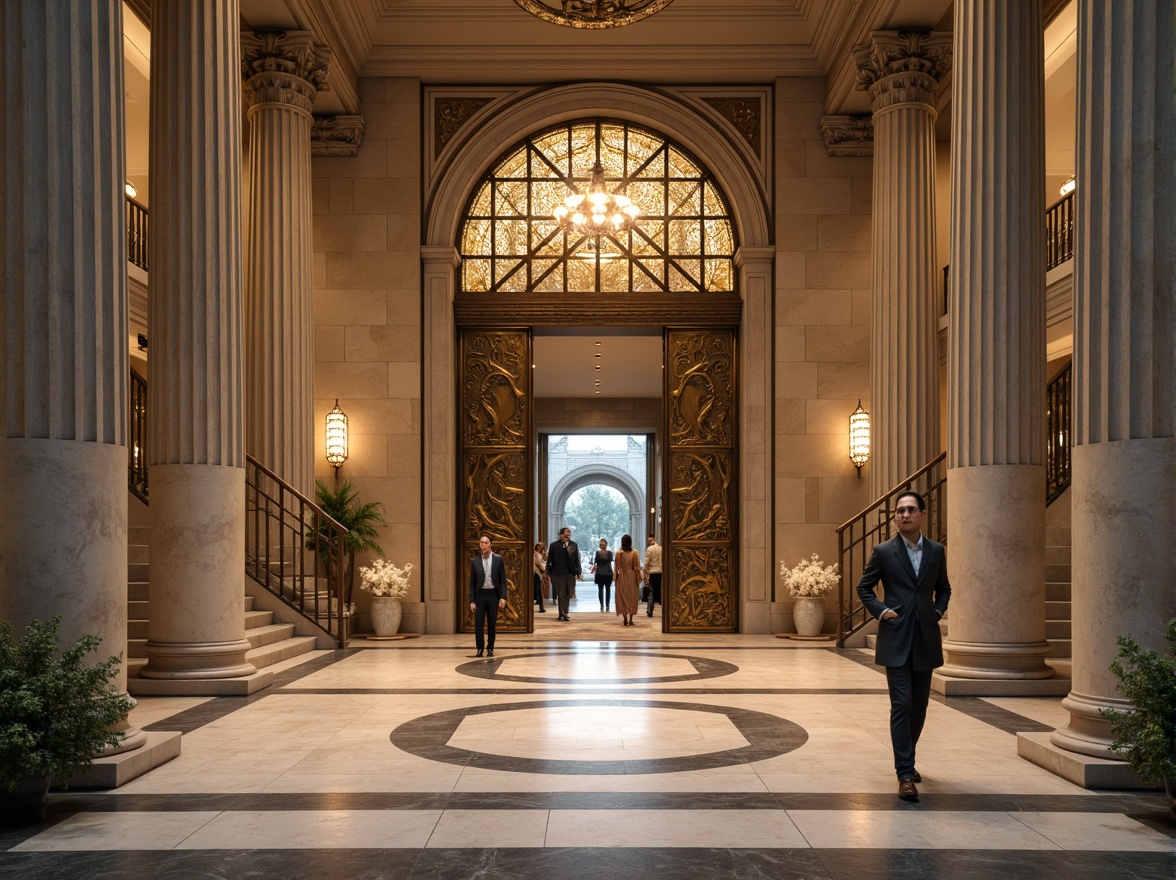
<point>915,777</point>
<point>479,654</point>
<point>649,614</point>
<point>542,610</point>
<point>907,790</point>
<point>489,652</point>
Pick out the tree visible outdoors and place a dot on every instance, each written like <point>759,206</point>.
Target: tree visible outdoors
<point>596,512</point>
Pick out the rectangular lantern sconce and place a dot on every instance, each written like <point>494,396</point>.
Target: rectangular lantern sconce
<point>859,437</point>
<point>336,437</point>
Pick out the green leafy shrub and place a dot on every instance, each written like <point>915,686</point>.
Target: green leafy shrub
<point>56,713</point>
<point>360,520</point>
<point>1146,735</point>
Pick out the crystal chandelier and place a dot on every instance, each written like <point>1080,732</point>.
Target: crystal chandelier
<point>597,212</point>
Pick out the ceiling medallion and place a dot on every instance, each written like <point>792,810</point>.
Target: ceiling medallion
<point>593,13</point>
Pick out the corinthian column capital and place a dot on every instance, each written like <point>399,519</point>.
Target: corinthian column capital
<point>902,67</point>
<point>283,67</point>
<point>848,135</point>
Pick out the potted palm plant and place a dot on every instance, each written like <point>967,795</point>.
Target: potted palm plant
<point>1146,734</point>
<point>360,520</point>
<point>808,583</point>
<point>56,714</point>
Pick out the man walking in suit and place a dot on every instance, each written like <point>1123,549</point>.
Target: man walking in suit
<point>487,593</point>
<point>653,573</point>
<point>563,564</point>
<point>913,572</point>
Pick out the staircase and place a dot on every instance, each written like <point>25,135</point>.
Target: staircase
<point>270,642</point>
<point>1057,583</point>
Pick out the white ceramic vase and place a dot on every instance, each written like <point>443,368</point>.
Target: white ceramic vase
<point>386,613</point>
<point>808,613</point>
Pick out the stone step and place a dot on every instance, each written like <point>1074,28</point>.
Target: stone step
<point>261,636</point>
<point>248,603</point>
<point>1057,555</point>
<point>138,609</point>
<point>137,630</point>
<point>1057,572</point>
<point>138,554</point>
<point>1059,648</point>
<point>254,619</point>
<point>1057,629</point>
<point>1057,536</point>
<point>138,535</point>
<point>1057,591</point>
<point>268,655</point>
<point>1061,665</point>
<point>1057,609</point>
<point>137,571</point>
<point>136,647</point>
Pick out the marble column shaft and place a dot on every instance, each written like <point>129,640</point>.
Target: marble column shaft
<point>902,73</point>
<point>996,357</point>
<point>63,321</point>
<point>194,400</point>
<point>283,72</point>
<point>1124,456</point>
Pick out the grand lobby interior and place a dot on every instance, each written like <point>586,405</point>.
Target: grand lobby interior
<point>251,246</point>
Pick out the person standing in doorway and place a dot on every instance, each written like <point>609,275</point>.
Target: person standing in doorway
<point>602,568</point>
<point>628,577</point>
<point>653,573</point>
<point>563,564</point>
<point>540,565</point>
<point>913,572</point>
<point>487,594</point>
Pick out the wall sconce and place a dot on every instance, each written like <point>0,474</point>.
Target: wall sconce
<point>336,437</point>
<point>130,189</point>
<point>1068,187</point>
<point>859,437</point>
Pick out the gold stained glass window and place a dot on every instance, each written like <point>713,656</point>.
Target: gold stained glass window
<point>683,240</point>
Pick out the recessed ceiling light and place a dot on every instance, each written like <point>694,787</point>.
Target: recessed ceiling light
<point>598,354</point>
<point>598,368</point>
<point>598,345</point>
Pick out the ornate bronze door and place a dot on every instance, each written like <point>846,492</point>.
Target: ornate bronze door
<point>495,491</point>
<point>699,562</point>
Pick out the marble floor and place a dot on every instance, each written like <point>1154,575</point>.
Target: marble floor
<point>714,756</point>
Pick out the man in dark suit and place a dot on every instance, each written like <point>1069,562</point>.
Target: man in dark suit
<point>487,593</point>
<point>563,564</point>
<point>913,572</point>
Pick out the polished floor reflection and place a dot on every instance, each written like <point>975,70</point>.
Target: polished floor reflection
<point>742,756</point>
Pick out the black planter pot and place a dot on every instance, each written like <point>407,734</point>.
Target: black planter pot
<point>26,805</point>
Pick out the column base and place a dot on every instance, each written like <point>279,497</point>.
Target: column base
<point>197,660</point>
<point>1088,733</point>
<point>111,771</point>
<point>1003,661</point>
<point>1083,770</point>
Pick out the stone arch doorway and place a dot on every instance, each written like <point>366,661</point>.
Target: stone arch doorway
<point>703,415</point>
<point>600,475</point>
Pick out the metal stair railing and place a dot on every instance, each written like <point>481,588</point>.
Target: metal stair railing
<point>1057,434</point>
<point>857,536</point>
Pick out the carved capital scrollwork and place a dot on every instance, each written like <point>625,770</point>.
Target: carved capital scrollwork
<point>744,114</point>
<point>903,67</point>
<point>283,67</point>
<point>336,135</point>
<point>848,135</point>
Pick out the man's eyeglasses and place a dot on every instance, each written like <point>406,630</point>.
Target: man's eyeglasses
<point>905,511</point>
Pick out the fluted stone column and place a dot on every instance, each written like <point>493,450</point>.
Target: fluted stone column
<point>903,72</point>
<point>996,358</point>
<point>1124,456</point>
<point>440,438</point>
<point>63,323</point>
<point>196,454</point>
<point>283,71</point>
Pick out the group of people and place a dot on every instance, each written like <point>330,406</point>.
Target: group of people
<point>911,568</point>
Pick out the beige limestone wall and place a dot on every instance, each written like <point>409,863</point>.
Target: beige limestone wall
<point>367,316</point>
<point>822,344</point>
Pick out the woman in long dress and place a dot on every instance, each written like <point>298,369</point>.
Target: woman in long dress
<point>627,572</point>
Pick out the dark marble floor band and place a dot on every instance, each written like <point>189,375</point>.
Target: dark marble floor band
<point>569,689</point>
<point>767,737</point>
<point>584,864</point>
<point>704,667</point>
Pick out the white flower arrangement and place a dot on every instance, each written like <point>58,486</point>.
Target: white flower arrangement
<point>385,579</point>
<point>809,577</point>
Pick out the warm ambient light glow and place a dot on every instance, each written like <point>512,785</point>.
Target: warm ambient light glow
<point>336,437</point>
<point>597,212</point>
<point>130,189</point>
<point>859,437</point>
<point>1068,186</point>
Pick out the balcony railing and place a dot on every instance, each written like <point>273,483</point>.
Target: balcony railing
<point>137,437</point>
<point>1059,232</point>
<point>136,234</point>
<point>1057,443</point>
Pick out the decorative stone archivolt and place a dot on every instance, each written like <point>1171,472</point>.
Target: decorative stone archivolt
<point>283,67</point>
<point>903,67</point>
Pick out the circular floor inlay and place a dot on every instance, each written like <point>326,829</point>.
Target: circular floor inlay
<point>767,736</point>
<point>704,667</point>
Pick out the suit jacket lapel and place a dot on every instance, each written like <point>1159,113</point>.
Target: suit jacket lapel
<point>904,558</point>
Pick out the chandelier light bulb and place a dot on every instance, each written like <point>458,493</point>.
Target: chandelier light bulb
<point>609,214</point>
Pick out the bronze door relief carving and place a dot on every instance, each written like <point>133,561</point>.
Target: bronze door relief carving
<point>699,579</point>
<point>495,495</point>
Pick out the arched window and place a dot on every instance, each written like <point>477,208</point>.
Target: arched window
<point>682,241</point>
